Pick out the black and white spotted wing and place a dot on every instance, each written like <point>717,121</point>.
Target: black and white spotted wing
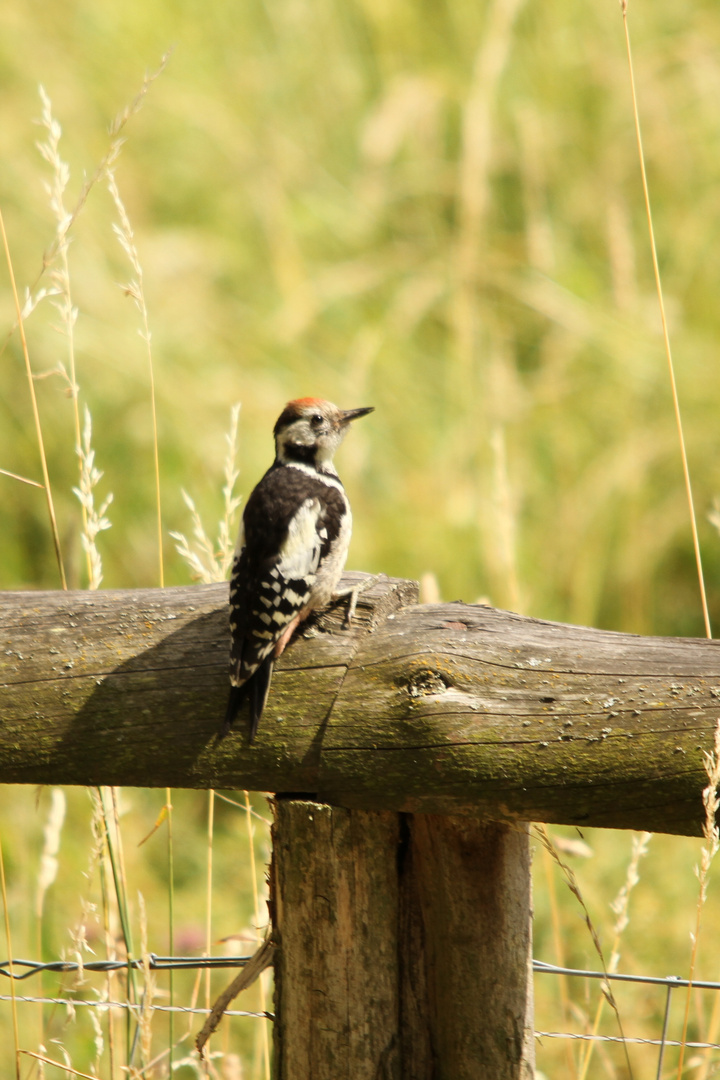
<point>267,592</point>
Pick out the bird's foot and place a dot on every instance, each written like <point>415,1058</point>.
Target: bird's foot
<point>352,595</point>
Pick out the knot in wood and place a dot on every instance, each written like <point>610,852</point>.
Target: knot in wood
<point>424,682</point>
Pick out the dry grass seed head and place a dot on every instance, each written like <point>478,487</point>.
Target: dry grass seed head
<point>94,519</point>
<point>52,830</point>
<point>149,985</point>
<point>210,563</point>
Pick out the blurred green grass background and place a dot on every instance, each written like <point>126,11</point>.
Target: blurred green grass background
<point>432,208</point>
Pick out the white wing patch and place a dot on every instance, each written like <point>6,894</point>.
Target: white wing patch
<point>300,554</point>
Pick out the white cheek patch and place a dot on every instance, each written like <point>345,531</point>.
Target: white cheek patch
<point>300,554</point>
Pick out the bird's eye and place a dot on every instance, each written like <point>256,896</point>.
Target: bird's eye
<point>316,419</point>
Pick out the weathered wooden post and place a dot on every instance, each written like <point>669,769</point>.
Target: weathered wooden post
<point>336,904</point>
<point>404,946</point>
<point>470,888</point>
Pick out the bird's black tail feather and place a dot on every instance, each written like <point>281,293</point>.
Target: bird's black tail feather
<point>256,691</point>
<point>235,700</point>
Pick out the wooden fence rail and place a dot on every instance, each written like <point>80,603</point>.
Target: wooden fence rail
<point>407,753</point>
<point>446,708</point>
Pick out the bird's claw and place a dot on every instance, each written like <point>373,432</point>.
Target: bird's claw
<point>352,594</point>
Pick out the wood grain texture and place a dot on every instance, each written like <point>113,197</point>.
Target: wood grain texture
<point>403,946</point>
<point>470,888</point>
<point>448,708</point>
<point>335,900</point>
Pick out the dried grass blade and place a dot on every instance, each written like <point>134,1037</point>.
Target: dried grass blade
<point>36,413</point>
<point>666,334</point>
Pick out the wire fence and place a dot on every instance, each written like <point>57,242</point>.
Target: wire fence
<point>10,969</point>
<point>151,961</point>
<point>669,982</point>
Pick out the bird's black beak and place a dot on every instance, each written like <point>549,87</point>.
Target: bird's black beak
<point>354,414</point>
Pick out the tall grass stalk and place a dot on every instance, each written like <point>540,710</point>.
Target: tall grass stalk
<point>108,798</point>
<point>231,501</point>
<point>8,944</point>
<point>35,293</point>
<point>256,900</point>
<point>208,561</point>
<point>620,906</point>
<point>94,519</point>
<point>47,872</point>
<point>96,1022</point>
<point>559,949</point>
<point>171,925</point>
<point>36,413</point>
<point>62,1065</point>
<point>61,292</point>
<point>708,1067</point>
<point>135,289</point>
<point>101,853</point>
<point>60,268</point>
<point>709,850</point>
<point>149,990</point>
<point>166,815</point>
<point>116,140</point>
<point>209,891</point>
<point>22,479</point>
<point>665,331</point>
<point>506,517</point>
<point>572,884</point>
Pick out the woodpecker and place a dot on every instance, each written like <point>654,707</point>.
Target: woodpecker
<point>291,548</point>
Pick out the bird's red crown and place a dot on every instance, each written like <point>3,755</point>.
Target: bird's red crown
<point>304,403</point>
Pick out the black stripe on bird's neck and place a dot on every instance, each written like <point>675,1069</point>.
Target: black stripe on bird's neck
<point>304,455</point>
<point>306,458</point>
